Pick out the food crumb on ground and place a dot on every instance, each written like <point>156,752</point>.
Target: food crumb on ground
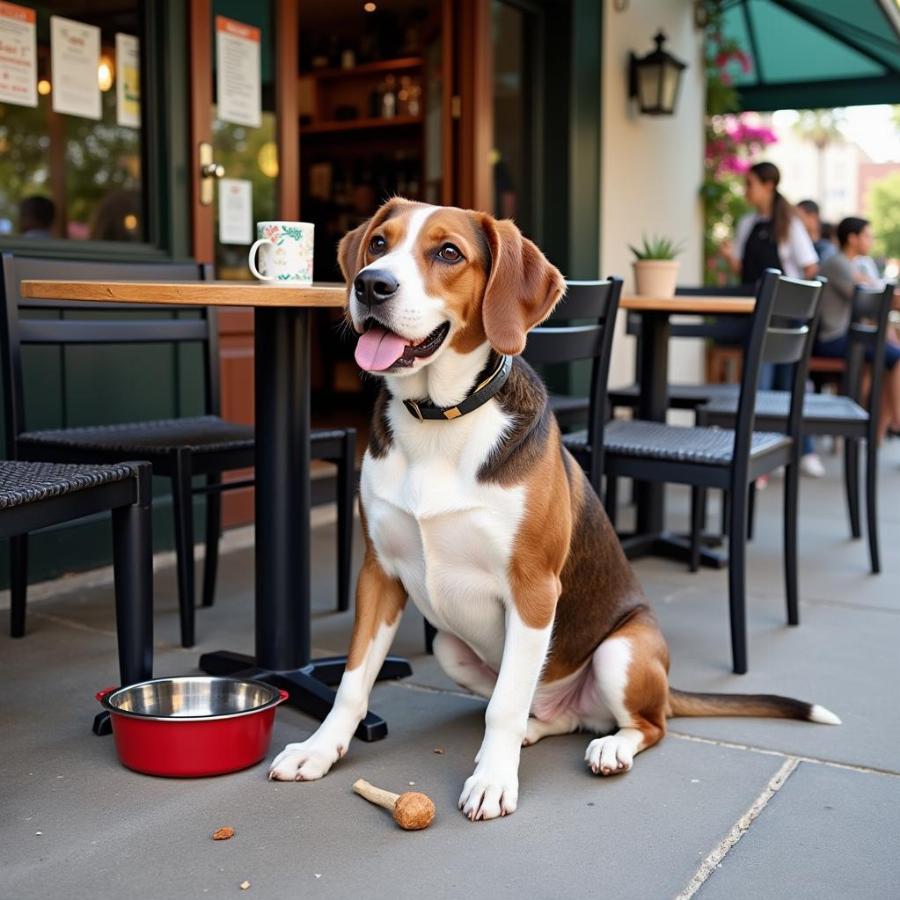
<point>245,885</point>
<point>37,833</point>
<point>439,751</point>
<point>223,834</point>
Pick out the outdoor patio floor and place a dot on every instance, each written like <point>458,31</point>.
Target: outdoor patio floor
<point>757,808</point>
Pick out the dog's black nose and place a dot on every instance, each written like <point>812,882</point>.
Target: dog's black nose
<point>374,286</point>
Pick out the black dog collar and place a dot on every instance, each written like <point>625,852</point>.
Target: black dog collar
<point>422,409</point>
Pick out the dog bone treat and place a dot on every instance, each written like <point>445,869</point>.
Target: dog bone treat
<point>412,810</point>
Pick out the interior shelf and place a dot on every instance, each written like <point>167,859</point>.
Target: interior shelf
<point>365,69</point>
<point>358,124</point>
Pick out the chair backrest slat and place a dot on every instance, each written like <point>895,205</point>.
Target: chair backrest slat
<point>781,330</point>
<point>80,331</point>
<point>867,339</point>
<point>25,321</point>
<point>784,344</point>
<point>552,342</point>
<point>583,300</point>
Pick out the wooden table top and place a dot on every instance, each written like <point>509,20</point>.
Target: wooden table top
<point>255,293</point>
<point>189,293</point>
<point>698,305</point>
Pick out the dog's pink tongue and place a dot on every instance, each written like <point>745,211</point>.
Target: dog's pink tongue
<point>378,349</point>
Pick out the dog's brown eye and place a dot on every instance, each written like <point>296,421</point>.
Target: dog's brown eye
<point>377,244</point>
<point>450,253</point>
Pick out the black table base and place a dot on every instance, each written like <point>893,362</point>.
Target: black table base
<point>310,687</point>
<point>672,546</point>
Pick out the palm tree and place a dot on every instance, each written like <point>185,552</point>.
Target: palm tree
<point>820,127</point>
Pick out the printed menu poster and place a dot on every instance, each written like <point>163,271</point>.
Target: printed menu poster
<point>18,55</point>
<point>74,58</point>
<point>238,73</point>
<point>235,211</point>
<point>128,81</point>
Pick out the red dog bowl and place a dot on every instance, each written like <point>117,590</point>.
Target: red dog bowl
<point>192,726</point>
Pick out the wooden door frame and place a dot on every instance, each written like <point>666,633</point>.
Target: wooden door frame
<point>476,125</point>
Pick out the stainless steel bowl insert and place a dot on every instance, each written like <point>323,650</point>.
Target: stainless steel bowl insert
<point>192,698</point>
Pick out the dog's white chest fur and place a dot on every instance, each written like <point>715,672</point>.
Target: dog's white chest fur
<point>447,536</point>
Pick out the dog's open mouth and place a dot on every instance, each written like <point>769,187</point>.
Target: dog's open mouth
<point>379,348</point>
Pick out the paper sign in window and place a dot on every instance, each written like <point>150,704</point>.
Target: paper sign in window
<point>128,81</point>
<point>235,211</point>
<point>74,60</point>
<point>18,55</point>
<point>238,74</point>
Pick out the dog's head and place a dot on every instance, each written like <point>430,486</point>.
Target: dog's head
<point>423,278</point>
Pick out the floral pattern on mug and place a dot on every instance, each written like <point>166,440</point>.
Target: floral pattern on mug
<point>272,232</point>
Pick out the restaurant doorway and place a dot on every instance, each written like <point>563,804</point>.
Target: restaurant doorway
<point>435,100</point>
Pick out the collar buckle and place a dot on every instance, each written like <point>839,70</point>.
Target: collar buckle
<point>413,407</point>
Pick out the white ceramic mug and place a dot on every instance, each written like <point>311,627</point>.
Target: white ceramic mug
<point>285,252</point>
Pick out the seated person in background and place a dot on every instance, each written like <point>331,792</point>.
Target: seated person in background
<point>846,269</point>
<point>808,211</point>
<point>36,215</point>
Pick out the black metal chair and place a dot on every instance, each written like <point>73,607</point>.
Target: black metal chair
<point>583,301</point>
<point>178,449</point>
<point>35,495</point>
<point>848,415</point>
<point>781,331</point>
<point>555,342</point>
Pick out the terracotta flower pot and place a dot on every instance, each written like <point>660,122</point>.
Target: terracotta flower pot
<point>656,277</point>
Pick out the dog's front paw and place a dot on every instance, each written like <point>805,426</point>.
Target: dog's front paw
<point>610,755</point>
<point>307,761</point>
<point>492,790</point>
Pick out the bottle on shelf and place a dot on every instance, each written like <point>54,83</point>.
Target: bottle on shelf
<point>389,98</point>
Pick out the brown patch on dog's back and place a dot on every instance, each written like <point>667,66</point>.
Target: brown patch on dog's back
<point>524,399</point>
<point>599,589</point>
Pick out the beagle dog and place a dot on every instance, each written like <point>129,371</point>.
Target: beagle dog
<point>472,507</point>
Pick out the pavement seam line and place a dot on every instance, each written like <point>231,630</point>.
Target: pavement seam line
<point>739,829</point>
<point>767,751</point>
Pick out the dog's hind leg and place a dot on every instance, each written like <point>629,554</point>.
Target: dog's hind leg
<point>630,669</point>
<point>463,665</point>
<point>564,723</point>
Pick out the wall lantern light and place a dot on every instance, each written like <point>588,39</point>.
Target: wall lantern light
<point>654,80</point>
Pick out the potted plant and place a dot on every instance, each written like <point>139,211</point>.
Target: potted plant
<point>655,267</point>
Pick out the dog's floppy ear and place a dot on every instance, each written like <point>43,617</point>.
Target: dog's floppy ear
<point>521,290</point>
<point>350,251</point>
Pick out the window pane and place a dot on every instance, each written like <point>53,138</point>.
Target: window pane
<point>74,174</point>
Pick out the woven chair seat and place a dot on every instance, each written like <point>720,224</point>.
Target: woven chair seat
<point>199,434</point>
<point>30,482</point>
<point>681,396</point>
<point>673,443</point>
<point>776,405</point>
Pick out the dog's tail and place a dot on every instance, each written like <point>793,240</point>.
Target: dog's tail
<point>687,703</point>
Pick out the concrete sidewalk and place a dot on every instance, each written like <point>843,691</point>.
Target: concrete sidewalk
<point>722,808</point>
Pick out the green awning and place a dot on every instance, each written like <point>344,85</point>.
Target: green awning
<point>808,54</point>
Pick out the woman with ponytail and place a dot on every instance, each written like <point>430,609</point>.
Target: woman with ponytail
<point>773,237</point>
